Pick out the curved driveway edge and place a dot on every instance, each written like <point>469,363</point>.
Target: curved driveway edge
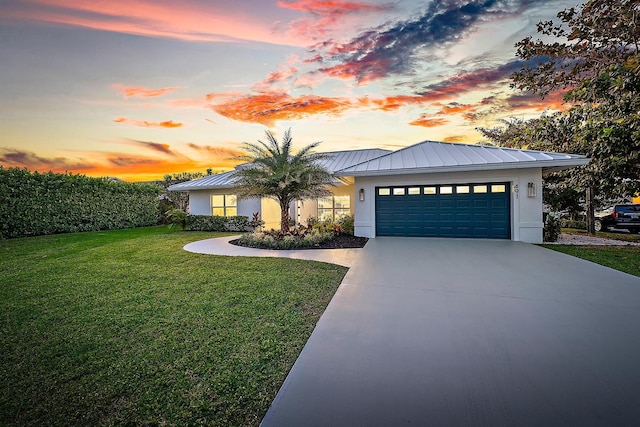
<point>445,332</point>
<point>221,246</point>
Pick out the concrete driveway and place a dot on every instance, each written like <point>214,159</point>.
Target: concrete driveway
<point>443,332</point>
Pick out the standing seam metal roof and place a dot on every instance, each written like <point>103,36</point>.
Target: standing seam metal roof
<point>433,156</point>
<point>426,156</point>
<point>336,160</point>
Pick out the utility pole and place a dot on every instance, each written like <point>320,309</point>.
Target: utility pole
<point>590,211</point>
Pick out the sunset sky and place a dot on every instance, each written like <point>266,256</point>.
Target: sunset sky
<point>140,88</point>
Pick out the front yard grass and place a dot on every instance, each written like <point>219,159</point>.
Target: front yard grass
<point>125,327</point>
<point>623,258</point>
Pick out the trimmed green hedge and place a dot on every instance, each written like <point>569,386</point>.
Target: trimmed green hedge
<point>217,223</point>
<point>33,204</point>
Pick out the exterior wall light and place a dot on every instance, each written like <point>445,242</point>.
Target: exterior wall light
<point>531,189</point>
<point>361,195</point>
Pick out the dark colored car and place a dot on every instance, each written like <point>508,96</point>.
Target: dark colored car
<point>621,216</point>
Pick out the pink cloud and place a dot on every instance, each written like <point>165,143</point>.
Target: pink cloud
<point>323,16</point>
<point>188,21</point>
<point>142,92</point>
<point>274,78</point>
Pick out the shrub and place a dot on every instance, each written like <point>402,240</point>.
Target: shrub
<point>551,229</point>
<point>256,223</point>
<point>217,223</point>
<point>571,223</point>
<point>347,224</point>
<point>177,217</point>
<point>49,203</point>
<point>237,223</point>
<point>300,237</point>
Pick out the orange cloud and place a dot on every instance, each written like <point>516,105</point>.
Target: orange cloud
<point>142,92</point>
<point>455,108</point>
<point>529,101</point>
<point>143,123</point>
<point>391,103</point>
<point>427,122</point>
<point>267,108</point>
<point>455,138</point>
<point>130,167</point>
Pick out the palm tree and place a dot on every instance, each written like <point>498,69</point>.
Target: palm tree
<point>273,171</point>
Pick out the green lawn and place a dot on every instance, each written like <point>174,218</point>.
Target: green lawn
<point>623,258</point>
<point>125,327</point>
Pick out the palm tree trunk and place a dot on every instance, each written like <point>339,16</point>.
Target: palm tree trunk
<point>284,216</point>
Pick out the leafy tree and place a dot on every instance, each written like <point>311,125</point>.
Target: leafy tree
<point>592,54</point>
<point>177,199</point>
<point>274,171</point>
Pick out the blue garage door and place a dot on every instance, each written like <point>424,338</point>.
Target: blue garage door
<point>457,210</point>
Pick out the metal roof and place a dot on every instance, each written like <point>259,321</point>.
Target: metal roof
<point>432,156</point>
<point>220,180</point>
<point>336,160</point>
<point>424,157</point>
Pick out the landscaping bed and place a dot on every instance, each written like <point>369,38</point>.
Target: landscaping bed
<point>340,241</point>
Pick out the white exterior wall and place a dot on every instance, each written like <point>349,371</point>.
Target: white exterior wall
<point>200,203</point>
<point>526,213</point>
<point>310,207</point>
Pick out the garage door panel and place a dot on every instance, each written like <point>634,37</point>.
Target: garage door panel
<point>447,203</point>
<point>462,213</point>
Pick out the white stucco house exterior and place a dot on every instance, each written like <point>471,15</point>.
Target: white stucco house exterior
<point>430,189</point>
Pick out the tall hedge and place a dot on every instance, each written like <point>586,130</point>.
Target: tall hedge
<point>32,203</point>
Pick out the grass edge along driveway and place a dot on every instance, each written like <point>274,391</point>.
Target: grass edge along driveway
<point>621,257</point>
<point>125,327</point>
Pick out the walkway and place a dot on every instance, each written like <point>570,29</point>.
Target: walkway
<point>221,246</point>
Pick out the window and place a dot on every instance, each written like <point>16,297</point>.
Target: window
<point>224,205</point>
<point>479,189</point>
<point>413,190</point>
<point>429,190</point>
<point>384,192</point>
<point>462,189</point>
<point>498,188</point>
<point>398,191</point>
<point>333,208</point>
<point>446,190</point>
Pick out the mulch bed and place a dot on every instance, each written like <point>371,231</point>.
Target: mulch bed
<point>341,241</point>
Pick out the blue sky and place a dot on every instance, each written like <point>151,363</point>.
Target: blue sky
<point>142,88</point>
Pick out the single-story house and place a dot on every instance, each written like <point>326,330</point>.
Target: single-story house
<point>430,189</point>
